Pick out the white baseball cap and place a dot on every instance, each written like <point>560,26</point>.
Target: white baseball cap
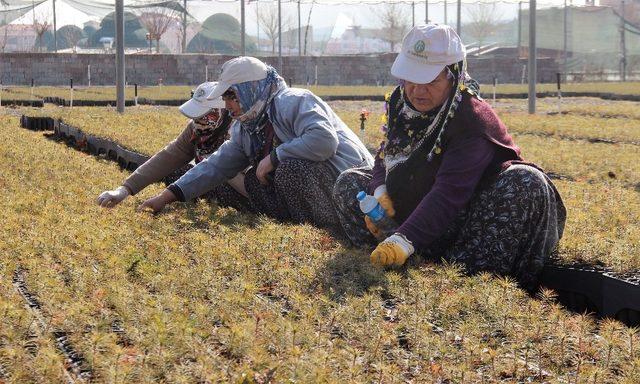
<point>199,105</point>
<point>236,71</point>
<point>426,50</point>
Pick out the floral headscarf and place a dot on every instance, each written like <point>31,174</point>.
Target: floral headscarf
<point>409,130</point>
<point>209,132</point>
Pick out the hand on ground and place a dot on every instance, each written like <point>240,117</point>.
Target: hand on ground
<point>109,199</point>
<point>158,202</point>
<point>394,250</point>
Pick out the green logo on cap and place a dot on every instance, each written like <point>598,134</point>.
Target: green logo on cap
<point>419,46</point>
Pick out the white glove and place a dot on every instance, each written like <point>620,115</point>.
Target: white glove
<point>109,199</point>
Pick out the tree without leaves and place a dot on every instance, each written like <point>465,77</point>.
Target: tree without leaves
<point>3,42</point>
<point>192,29</point>
<point>484,22</point>
<point>268,20</point>
<point>394,24</point>
<point>157,23</point>
<point>40,25</point>
<point>306,30</point>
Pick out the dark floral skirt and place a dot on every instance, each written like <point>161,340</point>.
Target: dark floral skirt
<point>510,227</point>
<point>300,192</point>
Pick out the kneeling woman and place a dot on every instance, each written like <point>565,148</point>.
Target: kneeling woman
<point>294,142</point>
<point>450,174</point>
<point>205,133</point>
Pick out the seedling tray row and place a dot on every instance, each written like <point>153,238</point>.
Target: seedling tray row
<point>37,123</point>
<point>23,103</point>
<point>76,367</point>
<point>175,102</point>
<point>97,146</point>
<point>586,288</point>
<point>579,287</point>
<point>62,102</point>
<point>126,158</point>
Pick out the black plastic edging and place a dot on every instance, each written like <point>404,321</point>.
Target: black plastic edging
<point>623,299</point>
<point>582,288</point>
<point>126,158</point>
<point>176,102</point>
<point>97,146</point>
<point>23,103</point>
<point>37,123</point>
<point>107,103</point>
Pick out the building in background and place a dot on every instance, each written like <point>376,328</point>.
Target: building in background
<point>17,38</point>
<point>594,38</point>
<point>356,39</point>
<point>631,10</point>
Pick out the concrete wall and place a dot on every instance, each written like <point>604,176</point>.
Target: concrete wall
<point>145,69</point>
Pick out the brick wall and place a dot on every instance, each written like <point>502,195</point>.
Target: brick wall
<point>145,69</point>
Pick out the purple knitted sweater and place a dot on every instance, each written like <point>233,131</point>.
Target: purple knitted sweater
<point>477,146</point>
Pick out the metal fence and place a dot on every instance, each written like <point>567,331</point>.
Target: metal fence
<point>588,40</point>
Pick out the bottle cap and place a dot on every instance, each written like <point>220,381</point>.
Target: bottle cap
<point>361,195</point>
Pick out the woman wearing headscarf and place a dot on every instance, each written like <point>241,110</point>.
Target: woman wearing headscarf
<point>203,135</point>
<point>294,142</point>
<point>450,175</point>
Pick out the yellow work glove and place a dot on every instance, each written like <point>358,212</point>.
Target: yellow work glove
<point>385,201</point>
<point>394,250</point>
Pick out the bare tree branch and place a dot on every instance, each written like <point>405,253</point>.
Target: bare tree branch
<point>484,22</point>
<point>306,29</point>
<point>3,42</point>
<point>158,22</point>
<point>268,20</point>
<point>40,25</point>
<point>395,24</point>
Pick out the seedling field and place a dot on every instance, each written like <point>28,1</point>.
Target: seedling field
<point>172,94</point>
<point>205,294</point>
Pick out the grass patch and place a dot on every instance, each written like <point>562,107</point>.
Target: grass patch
<point>183,92</point>
<point>204,294</point>
<point>610,173</point>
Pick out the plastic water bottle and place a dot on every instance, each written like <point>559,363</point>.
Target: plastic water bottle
<point>370,206</point>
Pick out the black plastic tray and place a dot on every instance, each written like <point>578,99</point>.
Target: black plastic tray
<point>126,158</point>
<point>23,103</point>
<point>584,288</point>
<point>37,123</point>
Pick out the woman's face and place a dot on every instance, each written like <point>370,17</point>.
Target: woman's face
<point>231,103</point>
<point>425,97</point>
<point>209,120</point>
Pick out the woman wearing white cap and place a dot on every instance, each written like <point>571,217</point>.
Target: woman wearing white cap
<point>295,143</point>
<point>205,132</point>
<point>450,174</point>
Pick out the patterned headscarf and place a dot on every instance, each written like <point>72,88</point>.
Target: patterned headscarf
<point>255,96</point>
<point>209,132</point>
<point>410,130</point>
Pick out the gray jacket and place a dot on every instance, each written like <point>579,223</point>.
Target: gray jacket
<point>308,129</point>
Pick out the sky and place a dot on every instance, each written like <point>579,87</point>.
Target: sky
<point>323,15</point>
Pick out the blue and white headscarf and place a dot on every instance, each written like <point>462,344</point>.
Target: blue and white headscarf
<point>255,96</point>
